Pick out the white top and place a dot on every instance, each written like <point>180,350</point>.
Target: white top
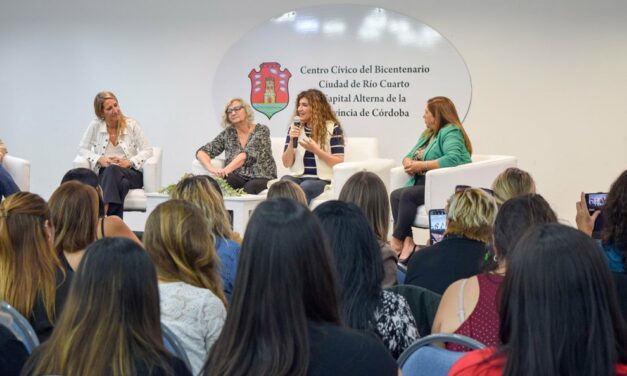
<point>196,317</point>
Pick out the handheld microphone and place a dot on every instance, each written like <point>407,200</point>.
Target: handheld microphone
<point>295,139</point>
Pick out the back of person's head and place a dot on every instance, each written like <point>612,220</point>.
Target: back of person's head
<point>111,320</point>
<point>285,278</point>
<point>178,240</point>
<point>357,258</point>
<point>471,213</point>
<point>559,311</point>
<point>511,183</point>
<point>74,214</point>
<point>86,176</point>
<point>615,214</point>
<point>366,190</point>
<point>287,189</point>
<point>517,215</point>
<point>200,191</point>
<point>28,262</point>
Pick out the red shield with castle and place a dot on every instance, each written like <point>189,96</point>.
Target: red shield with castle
<point>269,91</point>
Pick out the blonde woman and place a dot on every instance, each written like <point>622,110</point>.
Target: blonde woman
<point>178,240</point>
<point>512,182</point>
<point>470,217</point>
<point>200,191</point>
<point>74,214</point>
<point>32,278</point>
<point>313,148</point>
<point>247,149</point>
<point>7,184</point>
<point>443,144</point>
<point>116,149</point>
<point>287,189</point>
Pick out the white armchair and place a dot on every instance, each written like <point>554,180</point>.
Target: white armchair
<point>440,183</point>
<point>360,153</point>
<point>19,169</point>
<point>136,198</point>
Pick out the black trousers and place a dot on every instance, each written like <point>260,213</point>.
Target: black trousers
<point>405,201</point>
<point>115,182</point>
<point>251,186</point>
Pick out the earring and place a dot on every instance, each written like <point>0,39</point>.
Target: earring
<point>495,258</point>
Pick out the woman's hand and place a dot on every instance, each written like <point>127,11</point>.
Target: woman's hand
<point>585,221</point>
<point>294,131</point>
<point>310,145</point>
<point>106,161</point>
<point>407,162</point>
<point>413,167</point>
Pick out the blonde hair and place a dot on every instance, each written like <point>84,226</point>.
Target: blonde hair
<point>471,213</point>
<point>366,190</point>
<point>28,262</point>
<point>74,215</point>
<point>287,189</point>
<point>199,191</point>
<point>444,112</point>
<point>178,240</point>
<point>321,112</point>
<point>98,109</point>
<point>250,115</point>
<point>512,182</point>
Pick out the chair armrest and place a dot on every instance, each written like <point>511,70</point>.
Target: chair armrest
<point>343,171</point>
<point>440,183</point>
<point>398,178</point>
<point>19,169</point>
<point>152,171</point>
<point>80,162</point>
<point>199,169</point>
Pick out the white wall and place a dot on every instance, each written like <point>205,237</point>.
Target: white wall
<point>549,80</point>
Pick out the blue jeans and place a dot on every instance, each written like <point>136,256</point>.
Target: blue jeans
<point>7,184</point>
<point>313,187</point>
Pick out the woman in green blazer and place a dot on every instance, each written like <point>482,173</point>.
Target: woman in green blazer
<point>443,144</point>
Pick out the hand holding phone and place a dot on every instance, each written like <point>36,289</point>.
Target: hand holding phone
<point>437,225</point>
<point>589,213</point>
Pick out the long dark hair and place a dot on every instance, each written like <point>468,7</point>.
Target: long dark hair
<point>615,214</point>
<point>559,311</point>
<point>111,320</point>
<point>357,258</point>
<point>285,277</point>
<point>86,176</point>
<point>515,217</point>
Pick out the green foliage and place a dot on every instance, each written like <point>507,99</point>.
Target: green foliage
<point>227,190</point>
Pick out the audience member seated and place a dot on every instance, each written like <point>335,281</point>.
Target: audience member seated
<point>110,324</point>
<point>366,190</point>
<point>13,353</point>
<point>74,217</point>
<point>559,313</point>
<point>470,215</point>
<point>178,240</point>
<point>107,225</point>
<point>7,184</point>
<point>470,306</point>
<point>311,150</point>
<point>614,232</point>
<point>200,191</point>
<point>364,305</point>
<point>32,278</point>
<point>287,189</point>
<point>284,316</point>
<point>247,149</point>
<point>511,183</point>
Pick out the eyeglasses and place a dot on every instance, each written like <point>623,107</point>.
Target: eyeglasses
<point>460,188</point>
<point>233,109</point>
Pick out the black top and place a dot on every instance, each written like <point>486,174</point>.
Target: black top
<point>13,354</point>
<point>178,366</point>
<point>438,266</point>
<point>39,320</point>
<point>340,351</point>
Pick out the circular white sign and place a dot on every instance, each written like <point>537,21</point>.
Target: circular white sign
<point>377,67</point>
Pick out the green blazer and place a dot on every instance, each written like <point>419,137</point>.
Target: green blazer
<point>448,148</point>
